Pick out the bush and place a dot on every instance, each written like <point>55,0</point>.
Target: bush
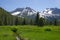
<point>14,29</point>
<point>47,29</point>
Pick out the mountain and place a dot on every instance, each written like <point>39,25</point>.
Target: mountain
<point>24,12</point>
<point>20,14</point>
<point>50,13</point>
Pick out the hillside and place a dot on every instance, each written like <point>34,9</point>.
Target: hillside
<point>6,18</point>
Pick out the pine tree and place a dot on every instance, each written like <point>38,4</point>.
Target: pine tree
<point>50,23</point>
<point>16,21</point>
<point>24,22</point>
<point>37,18</point>
<point>0,22</point>
<point>41,22</point>
<point>31,22</point>
<point>55,22</point>
<point>5,20</point>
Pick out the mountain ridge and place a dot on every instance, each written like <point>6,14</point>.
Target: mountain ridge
<point>48,13</point>
<point>25,12</point>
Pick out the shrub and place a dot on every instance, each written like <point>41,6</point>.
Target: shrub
<point>47,29</point>
<point>14,29</point>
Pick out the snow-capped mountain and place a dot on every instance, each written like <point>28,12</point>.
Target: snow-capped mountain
<point>50,13</point>
<point>24,12</point>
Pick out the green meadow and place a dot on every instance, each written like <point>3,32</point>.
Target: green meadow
<point>30,32</point>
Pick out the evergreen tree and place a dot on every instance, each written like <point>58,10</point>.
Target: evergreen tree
<point>0,22</point>
<point>24,22</point>
<point>31,22</point>
<point>41,22</point>
<point>37,18</point>
<point>5,20</point>
<point>55,22</point>
<point>50,23</point>
<point>16,21</point>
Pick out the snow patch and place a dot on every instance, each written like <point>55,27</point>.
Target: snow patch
<point>50,12</point>
<point>15,13</point>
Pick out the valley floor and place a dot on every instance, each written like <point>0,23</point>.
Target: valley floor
<point>30,32</point>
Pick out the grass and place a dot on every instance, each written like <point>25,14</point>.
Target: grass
<point>6,34</point>
<point>30,32</point>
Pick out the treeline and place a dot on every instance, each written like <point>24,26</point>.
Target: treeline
<point>42,21</point>
<point>7,19</point>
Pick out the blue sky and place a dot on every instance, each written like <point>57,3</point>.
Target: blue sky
<point>37,5</point>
